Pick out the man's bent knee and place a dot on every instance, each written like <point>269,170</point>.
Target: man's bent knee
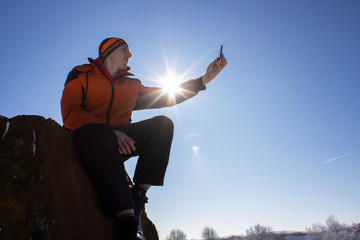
<point>164,122</point>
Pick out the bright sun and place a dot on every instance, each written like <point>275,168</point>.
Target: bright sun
<point>170,83</point>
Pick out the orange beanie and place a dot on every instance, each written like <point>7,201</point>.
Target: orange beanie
<point>108,45</point>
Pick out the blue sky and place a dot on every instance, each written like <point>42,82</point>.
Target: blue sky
<point>277,134</point>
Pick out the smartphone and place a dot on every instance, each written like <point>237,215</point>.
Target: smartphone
<point>221,48</point>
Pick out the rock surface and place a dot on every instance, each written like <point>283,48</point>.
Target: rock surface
<point>44,191</point>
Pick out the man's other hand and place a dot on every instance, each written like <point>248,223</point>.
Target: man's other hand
<point>126,144</point>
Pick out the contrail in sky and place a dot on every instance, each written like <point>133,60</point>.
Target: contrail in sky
<point>342,156</point>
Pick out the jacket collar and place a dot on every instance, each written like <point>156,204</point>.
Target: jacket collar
<point>99,64</point>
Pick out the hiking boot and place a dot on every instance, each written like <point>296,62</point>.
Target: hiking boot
<point>139,197</point>
<point>129,228</point>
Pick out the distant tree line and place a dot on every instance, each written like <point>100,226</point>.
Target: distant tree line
<point>331,230</point>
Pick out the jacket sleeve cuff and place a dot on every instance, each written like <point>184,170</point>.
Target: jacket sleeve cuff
<point>199,84</point>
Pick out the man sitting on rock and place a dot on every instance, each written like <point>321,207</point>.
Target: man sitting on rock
<point>96,106</point>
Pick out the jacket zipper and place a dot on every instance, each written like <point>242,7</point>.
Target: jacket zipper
<point>112,94</point>
<point>111,102</point>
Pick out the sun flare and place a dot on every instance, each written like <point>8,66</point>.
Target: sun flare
<point>170,83</point>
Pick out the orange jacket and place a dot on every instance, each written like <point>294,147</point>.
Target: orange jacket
<point>89,96</point>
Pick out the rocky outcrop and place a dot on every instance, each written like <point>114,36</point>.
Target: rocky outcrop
<point>44,191</point>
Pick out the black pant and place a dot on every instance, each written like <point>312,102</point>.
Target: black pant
<point>97,147</point>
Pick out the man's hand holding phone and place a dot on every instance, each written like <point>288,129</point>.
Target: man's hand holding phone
<point>214,68</point>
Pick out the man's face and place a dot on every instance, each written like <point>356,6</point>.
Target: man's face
<point>121,56</point>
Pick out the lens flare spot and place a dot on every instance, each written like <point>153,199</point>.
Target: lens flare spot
<point>200,166</point>
<point>195,148</point>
